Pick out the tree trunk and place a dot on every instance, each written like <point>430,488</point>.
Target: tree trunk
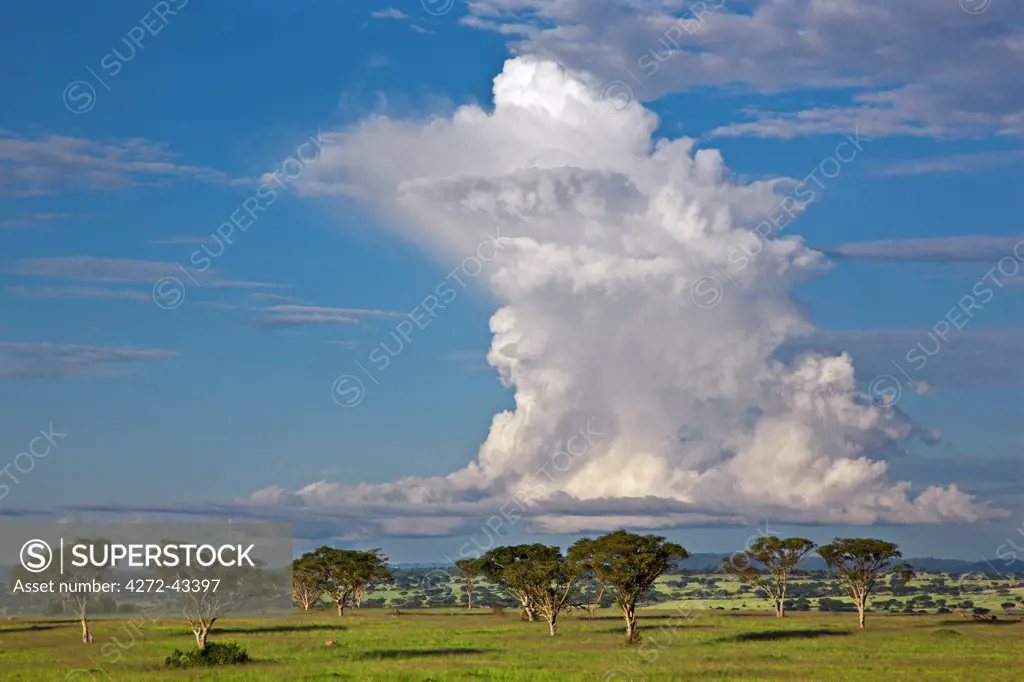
<point>632,631</point>
<point>552,624</point>
<point>86,634</point>
<point>201,635</point>
<point>780,608</point>
<point>860,614</point>
<point>341,607</point>
<point>469,599</point>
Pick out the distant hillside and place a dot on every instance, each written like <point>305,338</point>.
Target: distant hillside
<point>707,561</point>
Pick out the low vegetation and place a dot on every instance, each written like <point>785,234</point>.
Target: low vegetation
<point>213,654</point>
<point>762,615</point>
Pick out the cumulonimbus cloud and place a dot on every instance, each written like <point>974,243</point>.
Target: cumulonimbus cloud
<point>605,231</point>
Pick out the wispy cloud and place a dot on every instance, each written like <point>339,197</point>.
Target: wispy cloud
<point>469,360</point>
<point>285,316</point>
<point>358,312</point>
<point>241,284</point>
<point>29,360</point>
<point>300,320</point>
<point>181,241</point>
<point>345,344</point>
<point>93,269</point>
<point>390,13</point>
<point>982,358</point>
<point>399,15</point>
<point>80,293</point>
<point>263,296</point>
<point>956,163</point>
<point>26,219</point>
<point>43,165</point>
<point>218,304</point>
<point>967,248</point>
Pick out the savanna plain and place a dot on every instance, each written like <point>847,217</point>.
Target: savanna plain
<point>491,644</point>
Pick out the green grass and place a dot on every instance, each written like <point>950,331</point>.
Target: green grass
<point>421,645</point>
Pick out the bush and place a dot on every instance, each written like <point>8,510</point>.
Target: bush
<point>215,653</point>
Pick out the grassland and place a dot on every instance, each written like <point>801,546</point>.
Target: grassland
<point>453,644</point>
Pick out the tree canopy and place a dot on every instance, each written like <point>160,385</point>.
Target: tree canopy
<point>627,564</point>
<point>859,563</point>
<point>538,575</point>
<point>345,573</point>
<point>779,557</point>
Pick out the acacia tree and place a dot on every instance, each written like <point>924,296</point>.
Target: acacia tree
<point>555,579</point>
<point>468,571</point>
<point>499,565</point>
<point>77,601</point>
<point>538,575</point>
<point>627,565</point>
<point>307,589</point>
<point>209,593</point>
<point>372,569</point>
<point>859,563</point>
<point>342,573</point>
<point>779,558</point>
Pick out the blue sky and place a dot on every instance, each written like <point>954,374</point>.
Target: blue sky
<point>229,391</point>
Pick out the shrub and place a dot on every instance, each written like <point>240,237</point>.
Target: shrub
<point>213,654</point>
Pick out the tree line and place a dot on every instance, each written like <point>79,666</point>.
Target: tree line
<point>546,582</point>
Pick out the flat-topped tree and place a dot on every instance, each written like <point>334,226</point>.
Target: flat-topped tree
<point>208,594</point>
<point>373,571</point>
<point>503,566</point>
<point>627,564</point>
<point>859,563</point>
<point>538,575</point>
<point>468,571</point>
<point>778,557</point>
<point>345,573</point>
<point>557,582</point>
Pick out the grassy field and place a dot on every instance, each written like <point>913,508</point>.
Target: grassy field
<point>451,644</point>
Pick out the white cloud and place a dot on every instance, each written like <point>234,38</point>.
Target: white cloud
<point>604,233</point>
<point>969,357</point>
<point>390,13</point>
<point>916,67</point>
<point>292,315</point>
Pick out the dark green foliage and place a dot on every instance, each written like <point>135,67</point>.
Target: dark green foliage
<point>213,654</point>
<point>539,576</point>
<point>344,574</point>
<point>859,564</point>
<point>779,559</point>
<point>627,565</point>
